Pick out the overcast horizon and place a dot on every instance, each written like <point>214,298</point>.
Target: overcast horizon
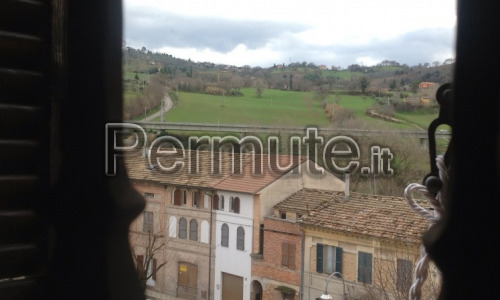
<point>264,33</point>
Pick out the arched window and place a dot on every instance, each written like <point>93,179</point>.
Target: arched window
<point>177,195</point>
<point>240,238</point>
<point>196,200</point>
<point>221,202</point>
<point>224,236</point>
<point>193,230</point>
<point>184,198</point>
<point>182,228</point>
<point>234,205</point>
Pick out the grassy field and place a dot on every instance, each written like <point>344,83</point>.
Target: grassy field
<point>279,108</point>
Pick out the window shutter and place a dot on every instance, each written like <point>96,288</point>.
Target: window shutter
<point>284,254</point>
<point>215,202</point>
<point>153,270</point>
<point>236,207</point>
<point>25,142</point>
<point>140,262</point>
<point>365,267</point>
<point>338,259</point>
<point>291,256</point>
<point>177,197</point>
<point>319,258</point>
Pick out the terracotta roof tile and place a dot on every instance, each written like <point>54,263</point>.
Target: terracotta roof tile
<point>384,217</point>
<point>224,179</point>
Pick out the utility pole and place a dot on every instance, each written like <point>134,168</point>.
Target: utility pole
<point>161,108</point>
<point>333,109</point>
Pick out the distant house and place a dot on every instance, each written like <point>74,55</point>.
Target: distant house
<point>426,85</point>
<point>322,67</point>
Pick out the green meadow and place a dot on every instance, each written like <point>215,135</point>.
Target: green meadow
<point>275,107</point>
<point>280,108</point>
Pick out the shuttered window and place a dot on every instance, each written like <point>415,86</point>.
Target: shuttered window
<point>193,230</point>
<point>224,235</point>
<point>177,197</point>
<point>240,238</point>
<point>288,255</point>
<point>215,204</point>
<point>328,259</point>
<point>147,225</point>
<point>182,228</point>
<point>404,274</point>
<point>234,204</point>
<point>365,267</point>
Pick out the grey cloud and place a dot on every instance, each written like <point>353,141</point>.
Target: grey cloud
<point>412,48</point>
<point>222,35</point>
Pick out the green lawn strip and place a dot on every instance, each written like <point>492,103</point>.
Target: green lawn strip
<point>275,107</point>
<point>149,112</point>
<point>422,119</point>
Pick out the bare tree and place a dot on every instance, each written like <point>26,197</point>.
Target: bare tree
<point>259,86</point>
<point>148,251</point>
<point>393,272</point>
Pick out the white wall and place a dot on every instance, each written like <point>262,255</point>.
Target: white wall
<point>229,259</point>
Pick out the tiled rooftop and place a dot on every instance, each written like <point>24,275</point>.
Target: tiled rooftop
<point>384,217</point>
<point>246,182</point>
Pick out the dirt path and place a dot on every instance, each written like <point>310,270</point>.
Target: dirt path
<point>168,104</point>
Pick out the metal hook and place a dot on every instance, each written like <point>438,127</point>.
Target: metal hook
<point>444,97</point>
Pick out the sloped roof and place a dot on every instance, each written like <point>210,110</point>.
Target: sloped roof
<point>247,182</point>
<point>384,217</point>
<point>223,179</point>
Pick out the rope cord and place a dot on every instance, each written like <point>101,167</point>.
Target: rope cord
<point>437,202</point>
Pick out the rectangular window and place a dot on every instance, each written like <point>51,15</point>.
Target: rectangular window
<point>365,267</point>
<point>328,259</point>
<point>288,255</point>
<point>149,195</point>
<point>404,274</point>
<point>147,225</point>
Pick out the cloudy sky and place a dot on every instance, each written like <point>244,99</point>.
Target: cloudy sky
<point>267,32</point>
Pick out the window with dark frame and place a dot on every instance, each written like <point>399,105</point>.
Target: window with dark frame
<point>182,228</point>
<point>404,274</point>
<point>328,259</point>
<point>240,238</point>
<point>365,267</point>
<point>184,197</point>
<point>177,197</point>
<point>193,230</point>
<point>221,202</point>
<point>147,225</point>
<point>215,202</point>
<point>288,255</point>
<point>196,200</point>
<point>234,205</point>
<point>224,236</point>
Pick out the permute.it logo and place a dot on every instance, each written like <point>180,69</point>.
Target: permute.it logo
<point>340,154</point>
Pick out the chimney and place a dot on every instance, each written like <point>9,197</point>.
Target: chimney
<point>346,181</point>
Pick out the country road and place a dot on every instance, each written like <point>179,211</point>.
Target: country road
<point>168,104</point>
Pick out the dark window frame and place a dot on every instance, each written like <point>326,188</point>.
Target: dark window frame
<point>193,230</point>
<point>365,267</point>
<point>224,242</point>
<point>182,229</point>
<point>240,238</point>
<point>148,221</point>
